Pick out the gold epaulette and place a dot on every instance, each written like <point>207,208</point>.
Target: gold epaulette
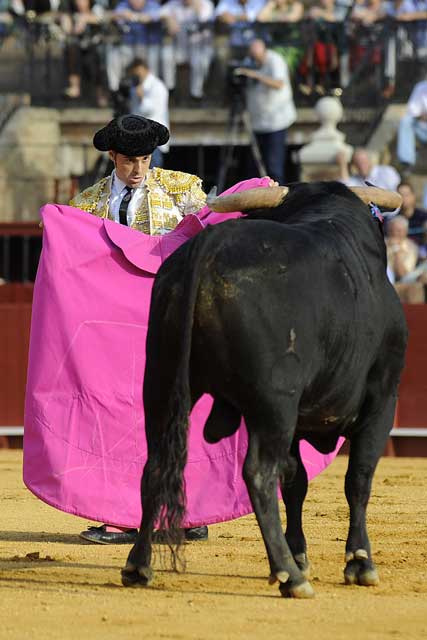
<point>175,182</point>
<point>88,199</point>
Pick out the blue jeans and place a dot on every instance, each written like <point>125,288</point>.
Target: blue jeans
<point>410,129</point>
<point>272,146</point>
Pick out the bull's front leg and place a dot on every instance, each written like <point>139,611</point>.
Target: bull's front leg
<point>365,450</point>
<point>294,490</point>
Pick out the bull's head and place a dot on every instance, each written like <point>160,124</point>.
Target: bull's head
<point>263,197</point>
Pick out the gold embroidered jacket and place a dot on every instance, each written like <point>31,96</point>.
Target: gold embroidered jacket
<point>169,195</point>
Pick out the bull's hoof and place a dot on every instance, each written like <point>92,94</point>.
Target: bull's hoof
<point>360,570</point>
<point>136,577</point>
<point>303,564</point>
<point>303,590</point>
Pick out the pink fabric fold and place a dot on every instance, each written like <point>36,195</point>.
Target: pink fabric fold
<point>84,442</point>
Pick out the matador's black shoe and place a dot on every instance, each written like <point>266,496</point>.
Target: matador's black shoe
<point>100,535</point>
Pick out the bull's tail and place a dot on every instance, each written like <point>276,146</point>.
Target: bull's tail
<point>164,480</point>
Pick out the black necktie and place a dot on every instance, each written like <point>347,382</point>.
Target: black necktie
<point>124,206</point>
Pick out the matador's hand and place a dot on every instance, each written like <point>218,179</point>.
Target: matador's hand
<point>272,183</point>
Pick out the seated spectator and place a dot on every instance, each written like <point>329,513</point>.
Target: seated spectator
<point>363,169</point>
<point>191,41</point>
<point>320,68</point>
<point>402,258</point>
<point>141,37</point>
<point>412,127</point>
<point>281,11</point>
<point>79,21</point>
<point>402,253</point>
<point>415,216</point>
<point>149,98</point>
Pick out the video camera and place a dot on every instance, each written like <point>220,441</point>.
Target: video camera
<point>121,98</point>
<point>237,84</point>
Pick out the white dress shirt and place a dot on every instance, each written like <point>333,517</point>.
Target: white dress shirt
<point>118,190</point>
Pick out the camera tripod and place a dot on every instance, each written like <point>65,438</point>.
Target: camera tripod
<point>238,117</point>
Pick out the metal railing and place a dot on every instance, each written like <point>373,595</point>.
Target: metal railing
<point>360,60</point>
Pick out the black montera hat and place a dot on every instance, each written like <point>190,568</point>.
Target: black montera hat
<point>131,135</point>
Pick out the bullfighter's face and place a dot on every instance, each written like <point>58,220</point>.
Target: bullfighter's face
<point>130,169</point>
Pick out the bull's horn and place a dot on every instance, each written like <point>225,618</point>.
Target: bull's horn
<point>380,197</point>
<point>259,198</point>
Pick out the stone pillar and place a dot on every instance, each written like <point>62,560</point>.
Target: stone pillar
<point>318,157</point>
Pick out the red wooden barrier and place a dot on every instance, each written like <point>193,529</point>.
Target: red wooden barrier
<point>15,318</point>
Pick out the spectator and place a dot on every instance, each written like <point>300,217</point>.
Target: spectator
<point>402,256</point>
<point>363,169</point>
<point>412,126</point>
<point>402,253</point>
<point>79,20</point>
<point>270,105</point>
<point>415,12</point>
<point>237,15</point>
<point>149,98</point>
<point>416,217</point>
<point>281,11</point>
<point>366,11</point>
<point>412,38</point>
<point>289,36</point>
<point>370,44</point>
<point>191,41</point>
<point>141,37</point>
<point>320,68</point>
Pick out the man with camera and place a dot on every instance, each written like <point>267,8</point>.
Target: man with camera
<point>270,105</point>
<point>149,97</point>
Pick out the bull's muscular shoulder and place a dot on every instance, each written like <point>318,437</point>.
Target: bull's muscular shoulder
<point>87,199</point>
<point>174,182</point>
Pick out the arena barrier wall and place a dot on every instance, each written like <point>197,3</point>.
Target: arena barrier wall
<point>410,427</point>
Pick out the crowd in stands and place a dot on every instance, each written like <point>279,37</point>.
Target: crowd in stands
<point>102,37</point>
<point>130,50</point>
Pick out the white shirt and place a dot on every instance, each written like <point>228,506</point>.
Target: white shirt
<point>417,103</point>
<point>381,175</point>
<point>271,109</point>
<point>118,190</point>
<point>154,103</point>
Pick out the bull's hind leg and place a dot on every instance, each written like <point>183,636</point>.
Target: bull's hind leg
<point>294,490</point>
<point>268,452</point>
<point>137,571</point>
<point>366,446</point>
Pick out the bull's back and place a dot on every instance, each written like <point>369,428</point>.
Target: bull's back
<point>281,306</point>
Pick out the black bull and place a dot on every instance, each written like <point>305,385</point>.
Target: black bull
<point>286,318</point>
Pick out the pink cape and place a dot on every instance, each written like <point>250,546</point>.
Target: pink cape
<point>84,444</point>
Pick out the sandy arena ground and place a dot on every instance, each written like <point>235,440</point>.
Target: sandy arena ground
<point>73,589</point>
